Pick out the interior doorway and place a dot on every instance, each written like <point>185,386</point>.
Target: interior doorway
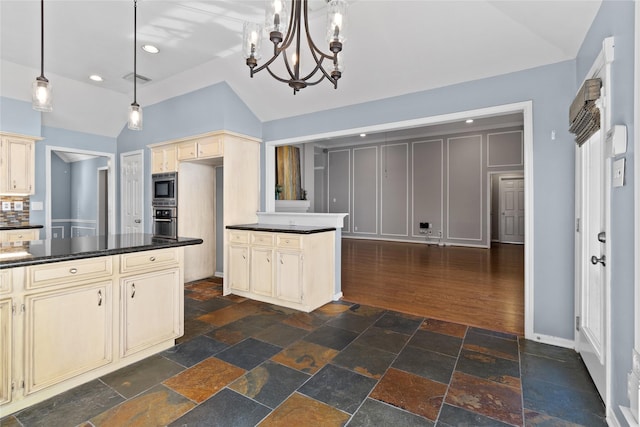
<point>103,201</point>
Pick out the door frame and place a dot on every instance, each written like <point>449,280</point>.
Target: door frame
<point>111,164</point>
<point>525,107</point>
<point>142,211</point>
<point>600,68</point>
<point>99,223</point>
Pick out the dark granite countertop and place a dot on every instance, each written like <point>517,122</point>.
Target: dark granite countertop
<point>274,228</point>
<point>56,250</point>
<point>19,227</point>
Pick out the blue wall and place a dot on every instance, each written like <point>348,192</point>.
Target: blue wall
<point>18,117</point>
<point>551,88</point>
<point>616,18</point>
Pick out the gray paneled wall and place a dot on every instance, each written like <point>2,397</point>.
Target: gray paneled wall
<point>389,188</point>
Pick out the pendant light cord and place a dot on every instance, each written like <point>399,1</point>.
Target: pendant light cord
<point>135,43</point>
<point>42,38</point>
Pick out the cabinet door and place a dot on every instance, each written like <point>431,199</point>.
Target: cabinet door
<point>6,330</point>
<point>170,159</point>
<point>19,163</point>
<point>262,271</point>
<point>151,310</point>
<point>289,276</point>
<point>68,332</point>
<point>239,267</point>
<point>210,147</point>
<point>157,160</point>
<point>187,150</point>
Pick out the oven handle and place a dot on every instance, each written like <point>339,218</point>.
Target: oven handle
<point>162,220</point>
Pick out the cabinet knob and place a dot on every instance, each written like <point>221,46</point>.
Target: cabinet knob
<point>152,258</point>
<point>73,270</point>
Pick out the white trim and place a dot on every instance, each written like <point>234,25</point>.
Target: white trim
<point>347,226</point>
<point>449,237</point>
<point>406,170</point>
<point>61,227</point>
<point>78,227</point>
<point>557,341</point>
<point>502,133</point>
<point>524,107</point>
<point>353,172</point>
<point>111,164</point>
<point>636,174</point>
<point>419,242</point>
<point>77,221</point>
<point>337,296</point>
<point>142,218</point>
<point>218,274</point>
<point>628,416</point>
<point>612,420</point>
<point>413,195</point>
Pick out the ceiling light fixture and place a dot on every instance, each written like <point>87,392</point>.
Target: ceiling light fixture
<point>149,48</point>
<point>41,89</point>
<point>96,78</point>
<point>135,111</point>
<point>277,23</point>
<point>468,121</point>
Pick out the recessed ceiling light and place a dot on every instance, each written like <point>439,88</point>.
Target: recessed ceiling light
<point>468,121</point>
<point>150,48</point>
<point>362,135</point>
<point>96,78</point>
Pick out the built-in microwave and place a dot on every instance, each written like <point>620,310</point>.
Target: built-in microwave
<point>165,189</point>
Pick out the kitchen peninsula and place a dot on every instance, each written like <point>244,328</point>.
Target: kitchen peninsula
<point>73,310</point>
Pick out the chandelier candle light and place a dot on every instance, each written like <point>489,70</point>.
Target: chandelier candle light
<point>135,111</point>
<point>277,23</point>
<point>41,89</point>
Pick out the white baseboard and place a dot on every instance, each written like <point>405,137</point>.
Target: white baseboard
<point>337,296</point>
<point>219,274</point>
<point>419,242</point>
<point>628,416</point>
<point>548,339</point>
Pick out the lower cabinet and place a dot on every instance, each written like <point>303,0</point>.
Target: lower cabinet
<point>6,349</point>
<point>150,310</point>
<point>239,267</point>
<point>63,324</point>
<point>293,270</point>
<point>67,332</point>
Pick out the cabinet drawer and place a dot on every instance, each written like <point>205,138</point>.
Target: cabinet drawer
<point>238,237</point>
<point>262,239</point>
<point>68,271</point>
<point>289,241</point>
<point>148,259</point>
<point>23,235</point>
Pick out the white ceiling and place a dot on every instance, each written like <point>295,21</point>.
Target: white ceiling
<point>394,47</point>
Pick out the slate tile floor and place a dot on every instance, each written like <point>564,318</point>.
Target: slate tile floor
<point>245,363</point>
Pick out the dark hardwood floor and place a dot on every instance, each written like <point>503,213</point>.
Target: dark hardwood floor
<point>473,286</point>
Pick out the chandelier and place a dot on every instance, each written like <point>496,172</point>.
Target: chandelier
<point>322,65</point>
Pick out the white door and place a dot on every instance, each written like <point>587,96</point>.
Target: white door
<point>511,210</point>
<point>591,340</point>
<point>131,192</point>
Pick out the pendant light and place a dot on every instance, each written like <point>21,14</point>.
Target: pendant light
<point>41,89</point>
<point>135,111</point>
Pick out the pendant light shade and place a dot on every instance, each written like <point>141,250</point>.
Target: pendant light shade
<point>41,89</point>
<point>135,111</point>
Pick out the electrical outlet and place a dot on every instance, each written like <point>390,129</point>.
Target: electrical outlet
<point>18,206</point>
<point>6,206</point>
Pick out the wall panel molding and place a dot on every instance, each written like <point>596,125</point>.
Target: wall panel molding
<point>397,209</point>
<point>426,173</point>
<point>339,186</point>
<point>367,206</point>
<point>505,148</point>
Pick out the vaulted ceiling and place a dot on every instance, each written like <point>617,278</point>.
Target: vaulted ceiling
<point>394,47</point>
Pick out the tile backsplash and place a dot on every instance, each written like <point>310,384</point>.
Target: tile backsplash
<point>13,217</point>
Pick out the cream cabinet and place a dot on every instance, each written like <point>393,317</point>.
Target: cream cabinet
<point>293,270</point>
<point>68,332</point>
<point>17,164</point>
<point>6,349</point>
<point>163,159</point>
<point>201,148</point>
<point>65,323</point>
<point>150,311</point>
<point>19,235</point>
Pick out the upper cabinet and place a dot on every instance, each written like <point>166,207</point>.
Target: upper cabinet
<point>163,159</point>
<point>17,164</point>
<point>201,148</point>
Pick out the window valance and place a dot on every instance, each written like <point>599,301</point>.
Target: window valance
<point>584,115</point>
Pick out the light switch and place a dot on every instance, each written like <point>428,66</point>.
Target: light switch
<point>6,206</point>
<point>36,206</point>
<point>18,206</point>
<point>618,173</point>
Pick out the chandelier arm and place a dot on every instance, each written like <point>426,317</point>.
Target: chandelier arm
<point>312,46</point>
<point>280,79</point>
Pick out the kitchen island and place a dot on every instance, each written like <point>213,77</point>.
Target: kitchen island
<point>73,310</point>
